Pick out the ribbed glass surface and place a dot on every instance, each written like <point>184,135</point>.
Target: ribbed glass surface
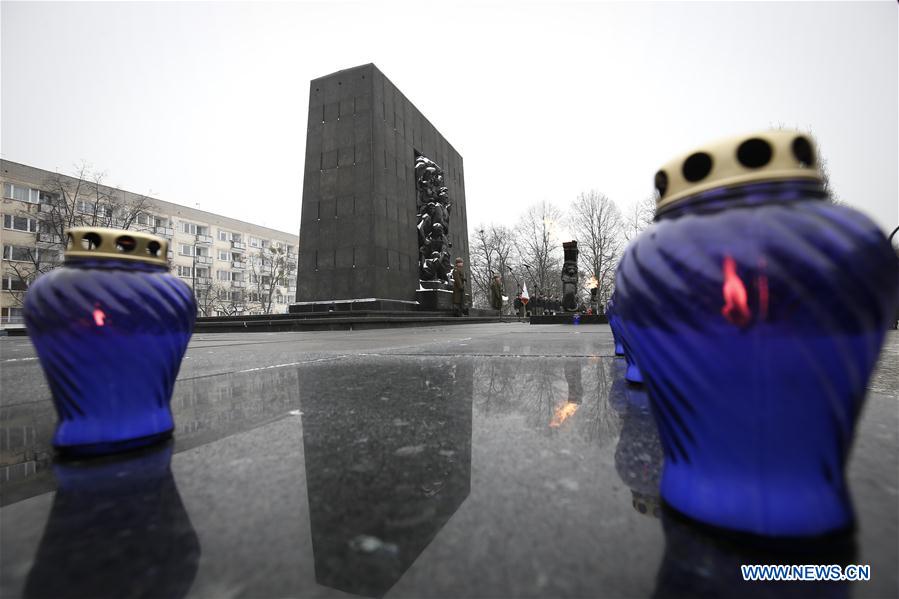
<point>756,320</point>
<point>110,337</point>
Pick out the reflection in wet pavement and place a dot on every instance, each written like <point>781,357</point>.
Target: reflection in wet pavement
<point>472,468</point>
<point>205,409</point>
<point>108,509</point>
<point>384,470</point>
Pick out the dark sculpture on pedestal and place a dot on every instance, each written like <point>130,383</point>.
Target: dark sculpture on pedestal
<point>434,260</point>
<point>569,277</point>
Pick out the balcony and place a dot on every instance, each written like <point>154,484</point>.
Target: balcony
<point>238,284</point>
<point>203,259</point>
<point>46,207</point>
<point>238,264</point>
<point>206,239</point>
<point>164,231</point>
<point>204,281</point>
<point>48,238</point>
<point>238,246</point>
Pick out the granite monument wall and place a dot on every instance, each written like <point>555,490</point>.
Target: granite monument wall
<point>358,236</point>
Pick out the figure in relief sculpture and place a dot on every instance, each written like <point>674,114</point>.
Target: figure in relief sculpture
<point>433,202</point>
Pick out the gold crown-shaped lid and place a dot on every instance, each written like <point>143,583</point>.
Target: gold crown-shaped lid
<point>754,158</point>
<point>98,243</point>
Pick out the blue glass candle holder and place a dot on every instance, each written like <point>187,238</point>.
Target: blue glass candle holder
<point>756,309</point>
<point>613,324</point>
<point>110,328</point>
<point>632,374</point>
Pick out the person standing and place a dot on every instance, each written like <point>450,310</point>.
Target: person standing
<point>458,287</point>
<point>496,294</point>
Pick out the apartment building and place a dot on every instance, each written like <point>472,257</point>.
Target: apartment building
<point>234,267</point>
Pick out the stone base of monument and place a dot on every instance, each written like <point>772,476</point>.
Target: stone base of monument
<point>440,300</point>
<point>353,314</point>
<point>336,321</point>
<point>368,304</point>
<point>572,318</point>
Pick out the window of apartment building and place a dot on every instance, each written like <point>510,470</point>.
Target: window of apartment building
<point>10,315</point>
<point>224,255</point>
<point>160,221</point>
<point>16,253</point>
<point>144,219</point>
<point>13,283</point>
<point>86,207</point>
<point>49,198</point>
<point>185,249</point>
<point>194,229</point>
<point>255,242</point>
<point>202,273</point>
<point>202,251</point>
<point>21,193</point>
<point>223,275</point>
<point>264,243</point>
<point>225,235</point>
<point>185,271</point>
<point>19,223</point>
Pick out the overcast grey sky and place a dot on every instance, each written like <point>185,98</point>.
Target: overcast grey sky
<point>205,103</point>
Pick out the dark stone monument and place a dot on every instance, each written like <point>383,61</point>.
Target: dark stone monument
<point>569,295</point>
<point>569,277</point>
<point>361,245</point>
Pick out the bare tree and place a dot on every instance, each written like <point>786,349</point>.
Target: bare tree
<point>639,216</point>
<point>65,202</point>
<point>596,222</point>
<point>210,298</point>
<point>491,253</point>
<point>538,247</point>
<point>270,268</point>
<point>229,303</point>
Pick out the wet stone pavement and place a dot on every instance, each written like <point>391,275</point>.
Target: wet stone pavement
<point>497,460</point>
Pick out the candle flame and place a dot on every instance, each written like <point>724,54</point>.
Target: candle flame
<point>736,307</point>
<point>763,292</point>
<point>99,317</point>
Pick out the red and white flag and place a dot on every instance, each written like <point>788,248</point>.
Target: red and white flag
<point>524,294</point>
